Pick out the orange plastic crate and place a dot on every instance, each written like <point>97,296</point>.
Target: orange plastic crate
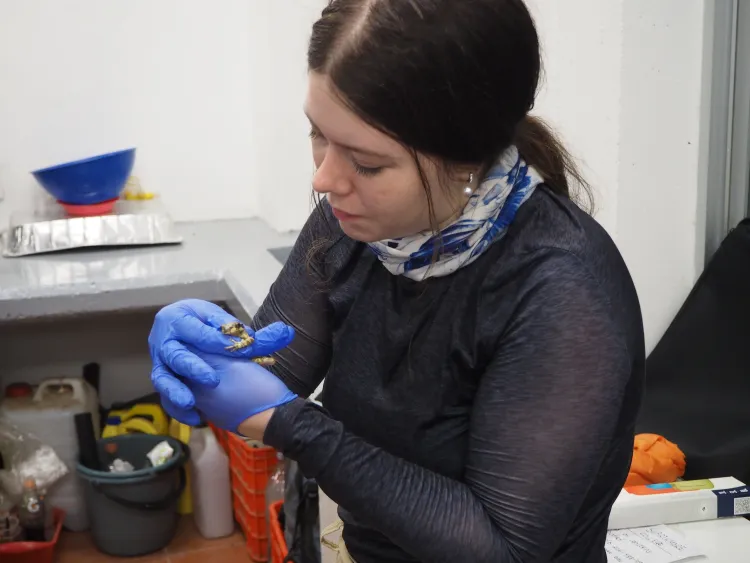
<point>251,467</point>
<point>279,549</point>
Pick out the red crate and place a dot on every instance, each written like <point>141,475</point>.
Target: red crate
<point>33,552</point>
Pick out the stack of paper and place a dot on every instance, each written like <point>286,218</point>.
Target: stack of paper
<point>657,544</point>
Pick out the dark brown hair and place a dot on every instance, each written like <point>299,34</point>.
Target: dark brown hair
<point>451,79</point>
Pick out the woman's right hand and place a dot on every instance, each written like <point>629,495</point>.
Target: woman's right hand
<point>197,324</point>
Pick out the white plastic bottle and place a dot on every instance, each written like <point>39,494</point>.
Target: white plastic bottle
<point>211,485</point>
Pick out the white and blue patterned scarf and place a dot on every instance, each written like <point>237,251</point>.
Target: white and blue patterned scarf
<point>484,220</point>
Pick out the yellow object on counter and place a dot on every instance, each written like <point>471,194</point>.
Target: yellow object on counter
<point>182,432</point>
<point>134,191</point>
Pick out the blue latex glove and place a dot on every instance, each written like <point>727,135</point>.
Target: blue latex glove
<point>245,389</point>
<point>196,323</point>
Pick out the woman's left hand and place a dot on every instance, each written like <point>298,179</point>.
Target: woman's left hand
<point>246,395</point>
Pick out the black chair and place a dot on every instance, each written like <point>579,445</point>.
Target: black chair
<point>698,377</point>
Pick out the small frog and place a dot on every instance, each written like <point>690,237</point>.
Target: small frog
<point>237,330</point>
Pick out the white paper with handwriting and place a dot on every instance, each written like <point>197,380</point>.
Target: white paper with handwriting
<point>655,544</point>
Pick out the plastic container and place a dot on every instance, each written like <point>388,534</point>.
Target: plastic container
<point>10,527</point>
<point>49,414</point>
<point>251,468</point>
<point>33,552</point>
<point>146,418</point>
<point>221,436</point>
<point>88,181</point>
<point>211,485</point>
<point>33,514</point>
<point>279,549</point>
<point>90,210</point>
<point>135,513</point>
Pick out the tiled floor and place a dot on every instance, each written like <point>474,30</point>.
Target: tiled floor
<point>188,546</point>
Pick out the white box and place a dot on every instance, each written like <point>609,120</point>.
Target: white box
<point>682,501</point>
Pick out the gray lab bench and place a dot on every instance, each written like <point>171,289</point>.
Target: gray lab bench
<point>228,261</point>
<point>234,262</point>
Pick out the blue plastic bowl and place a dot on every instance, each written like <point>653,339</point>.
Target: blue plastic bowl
<point>88,181</point>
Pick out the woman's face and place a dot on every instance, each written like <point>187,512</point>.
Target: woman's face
<point>370,180</point>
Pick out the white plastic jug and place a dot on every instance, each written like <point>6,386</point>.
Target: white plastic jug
<point>211,485</point>
<point>49,415</point>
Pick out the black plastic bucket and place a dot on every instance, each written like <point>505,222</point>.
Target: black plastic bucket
<point>134,513</point>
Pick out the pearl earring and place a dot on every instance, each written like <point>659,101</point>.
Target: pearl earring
<point>468,190</point>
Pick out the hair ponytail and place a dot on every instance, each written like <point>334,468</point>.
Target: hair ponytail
<point>540,147</point>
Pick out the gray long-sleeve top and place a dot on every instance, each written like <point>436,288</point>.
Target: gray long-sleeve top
<point>483,417</point>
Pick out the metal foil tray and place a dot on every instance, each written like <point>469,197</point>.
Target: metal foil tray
<point>132,223</point>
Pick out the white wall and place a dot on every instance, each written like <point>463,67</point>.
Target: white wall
<point>624,86</point>
<point>661,198</point>
<point>581,90</point>
<point>209,92</point>
<point>285,162</point>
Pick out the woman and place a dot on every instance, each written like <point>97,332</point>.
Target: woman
<point>479,334</point>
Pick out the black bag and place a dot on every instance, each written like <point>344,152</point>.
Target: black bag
<point>697,391</point>
<point>301,517</point>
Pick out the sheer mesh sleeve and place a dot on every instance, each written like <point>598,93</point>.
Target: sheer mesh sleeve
<point>298,299</point>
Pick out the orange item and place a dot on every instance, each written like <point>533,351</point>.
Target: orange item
<point>250,468</point>
<point>655,460</point>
